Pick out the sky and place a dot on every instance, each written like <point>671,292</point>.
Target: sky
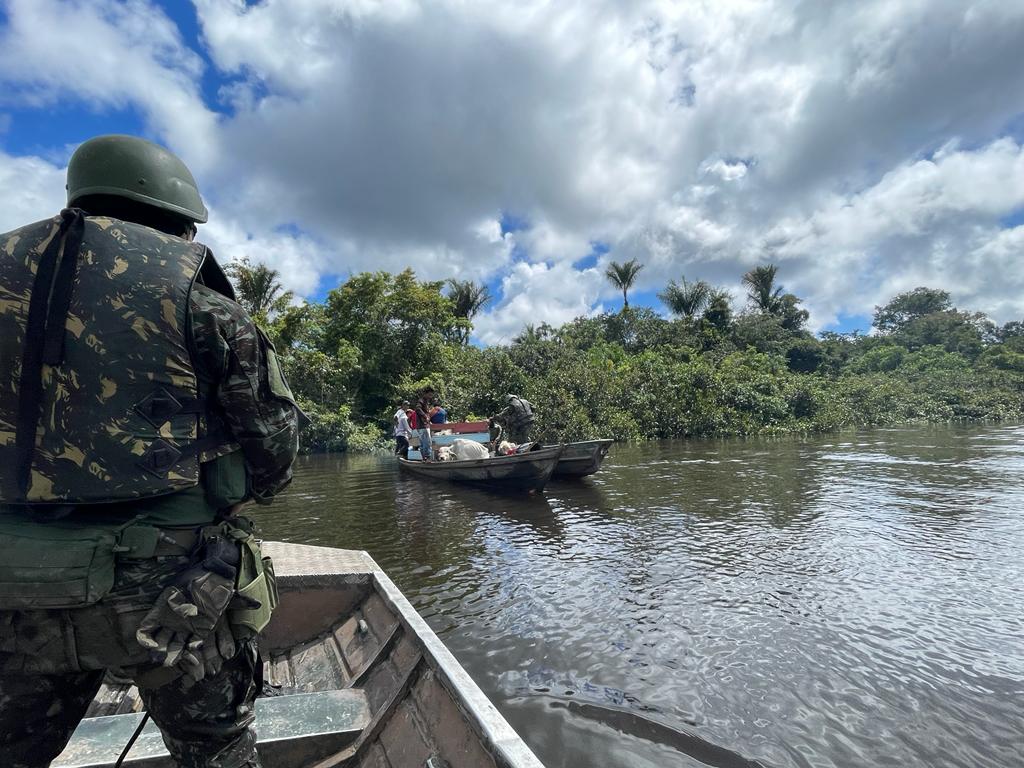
<point>865,147</point>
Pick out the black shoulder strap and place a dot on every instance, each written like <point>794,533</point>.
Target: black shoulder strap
<point>44,335</point>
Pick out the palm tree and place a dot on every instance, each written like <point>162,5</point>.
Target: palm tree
<point>623,276</point>
<point>761,289</point>
<point>258,289</point>
<point>468,299</point>
<point>686,299</point>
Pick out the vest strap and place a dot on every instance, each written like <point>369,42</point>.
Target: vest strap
<point>60,297</point>
<point>36,347</point>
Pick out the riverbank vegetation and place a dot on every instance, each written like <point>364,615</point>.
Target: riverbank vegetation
<point>634,374</point>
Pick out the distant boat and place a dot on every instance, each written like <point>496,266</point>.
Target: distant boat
<point>583,458</point>
<point>358,680</point>
<point>529,471</point>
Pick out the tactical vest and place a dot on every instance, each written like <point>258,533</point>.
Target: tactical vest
<point>99,400</point>
<point>522,414</point>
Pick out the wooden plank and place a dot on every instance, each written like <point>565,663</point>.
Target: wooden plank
<point>381,679</point>
<point>454,739</point>
<point>374,757</point>
<point>361,637</point>
<point>130,702</point>
<point>402,739</point>
<point>315,668</point>
<point>107,700</point>
<point>279,674</point>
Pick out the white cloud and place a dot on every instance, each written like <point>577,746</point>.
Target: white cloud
<point>538,293</point>
<point>33,189</point>
<point>866,146</point>
<point>110,55</point>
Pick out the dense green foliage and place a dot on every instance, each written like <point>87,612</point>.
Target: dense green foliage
<point>633,374</point>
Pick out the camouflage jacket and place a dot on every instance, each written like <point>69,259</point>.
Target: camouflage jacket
<point>237,360</point>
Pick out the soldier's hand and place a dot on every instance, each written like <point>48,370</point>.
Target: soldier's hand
<point>208,657</point>
<point>187,612</point>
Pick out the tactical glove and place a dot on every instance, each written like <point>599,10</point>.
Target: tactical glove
<point>179,629</point>
<point>206,658</point>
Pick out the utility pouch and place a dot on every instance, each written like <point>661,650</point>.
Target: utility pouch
<point>55,565</point>
<point>257,582</point>
<point>224,480</point>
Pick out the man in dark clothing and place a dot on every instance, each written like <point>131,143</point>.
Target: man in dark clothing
<point>516,418</point>
<point>423,424</point>
<point>166,411</point>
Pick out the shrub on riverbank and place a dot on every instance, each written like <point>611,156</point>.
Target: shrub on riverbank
<point>635,375</point>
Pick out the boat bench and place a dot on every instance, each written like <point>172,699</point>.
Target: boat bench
<point>293,731</point>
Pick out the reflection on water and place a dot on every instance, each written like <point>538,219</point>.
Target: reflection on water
<point>834,601</point>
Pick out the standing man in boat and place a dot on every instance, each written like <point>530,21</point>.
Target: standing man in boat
<point>402,430</point>
<point>140,408</point>
<point>423,406</point>
<point>516,418</point>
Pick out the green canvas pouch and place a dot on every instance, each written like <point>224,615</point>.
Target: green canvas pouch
<point>224,480</point>
<point>55,565</point>
<point>256,580</point>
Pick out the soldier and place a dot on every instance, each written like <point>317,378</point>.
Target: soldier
<point>516,418</point>
<point>140,408</point>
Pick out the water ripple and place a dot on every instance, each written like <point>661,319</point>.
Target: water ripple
<point>833,601</point>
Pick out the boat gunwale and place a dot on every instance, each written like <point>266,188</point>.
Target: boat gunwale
<point>499,738</point>
<point>496,735</point>
<point>541,454</point>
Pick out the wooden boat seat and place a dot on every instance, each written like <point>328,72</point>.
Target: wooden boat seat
<point>293,730</point>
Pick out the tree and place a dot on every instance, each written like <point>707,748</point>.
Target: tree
<point>686,299</point>
<point>718,313</point>
<point>909,306</point>
<point>761,288</point>
<point>259,290</point>
<point>793,318</point>
<point>531,334</point>
<point>1012,330</point>
<point>398,327</point>
<point>623,276</point>
<point>468,298</point>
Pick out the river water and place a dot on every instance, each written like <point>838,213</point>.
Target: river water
<point>845,600</point>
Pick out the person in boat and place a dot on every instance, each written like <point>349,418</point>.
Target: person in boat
<point>438,414</point>
<point>145,409</point>
<point>403,430</point>
<point>423,423</point>
<point>516,419</point>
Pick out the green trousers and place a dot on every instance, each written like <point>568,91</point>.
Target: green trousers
<point>52,664</point>
<point>205,726</point>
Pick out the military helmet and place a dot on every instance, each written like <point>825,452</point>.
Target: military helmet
<point>127,166</point>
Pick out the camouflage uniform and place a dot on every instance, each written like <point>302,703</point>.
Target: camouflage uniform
<point>52,662</point>
<point>517,419</point>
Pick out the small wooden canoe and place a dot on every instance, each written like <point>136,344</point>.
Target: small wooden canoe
<point>357,679</point>
<point>520,472</point>
<point>582,459</point>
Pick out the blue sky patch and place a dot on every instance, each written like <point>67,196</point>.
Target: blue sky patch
<point>46,131</point>
<point>511,222</point>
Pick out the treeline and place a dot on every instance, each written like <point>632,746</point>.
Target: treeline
<point>633,374</point>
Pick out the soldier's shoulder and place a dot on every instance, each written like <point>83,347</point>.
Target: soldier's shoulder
<point>10,240</point>
<point>206,300</point>
<point>215,313</point>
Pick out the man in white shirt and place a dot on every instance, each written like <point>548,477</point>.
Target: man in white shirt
<point>402,430</point>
